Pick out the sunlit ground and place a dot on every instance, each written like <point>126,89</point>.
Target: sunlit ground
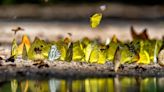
<point>52,30</point>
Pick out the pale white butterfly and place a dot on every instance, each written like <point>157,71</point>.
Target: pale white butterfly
<point>53,53</point>
<point>103,7</point>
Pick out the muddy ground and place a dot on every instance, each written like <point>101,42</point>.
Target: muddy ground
<point>75,70</point>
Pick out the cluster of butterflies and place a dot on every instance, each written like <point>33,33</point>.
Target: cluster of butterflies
<point>141,50</point>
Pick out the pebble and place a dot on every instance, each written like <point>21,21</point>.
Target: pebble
<point>161,58</point>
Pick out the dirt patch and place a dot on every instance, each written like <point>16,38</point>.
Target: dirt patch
<point>75,70</point>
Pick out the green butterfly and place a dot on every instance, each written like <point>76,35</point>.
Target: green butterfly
<point>39,50</point>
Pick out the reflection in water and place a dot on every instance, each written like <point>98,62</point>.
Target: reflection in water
<point>14,85</point>
<point>53,85</point>
<point>116,84</point>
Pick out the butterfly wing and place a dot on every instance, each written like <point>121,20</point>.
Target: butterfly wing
<point>95,20</point>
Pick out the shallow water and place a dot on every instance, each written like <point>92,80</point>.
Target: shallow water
<point>116,84</point>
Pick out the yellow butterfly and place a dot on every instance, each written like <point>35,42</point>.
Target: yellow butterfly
<point>95,20</point>
<point>18,49</point>
<point>26,42</point>
<point>14,50</point>
<point>143,54</point>
<point>78,53</point>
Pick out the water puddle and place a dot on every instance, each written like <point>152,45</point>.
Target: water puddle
<point>116,84</point>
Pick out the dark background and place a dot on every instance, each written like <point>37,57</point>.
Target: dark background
<point>134,2</point>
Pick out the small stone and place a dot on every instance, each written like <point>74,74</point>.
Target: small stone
<point>161,58</point>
